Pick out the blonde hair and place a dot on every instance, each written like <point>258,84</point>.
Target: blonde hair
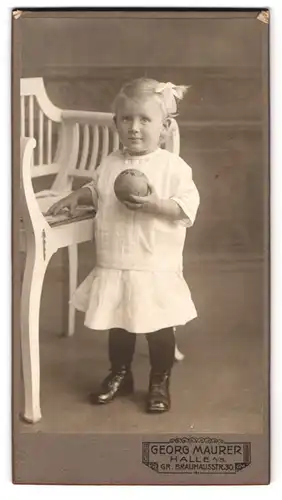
<point>167,94</point>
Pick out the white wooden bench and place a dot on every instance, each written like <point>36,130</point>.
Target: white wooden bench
<point>83,140</point>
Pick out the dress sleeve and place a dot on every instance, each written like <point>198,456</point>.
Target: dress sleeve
<point>185,192</point>
<point>93,186</point>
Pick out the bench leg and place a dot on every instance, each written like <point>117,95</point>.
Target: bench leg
<point>73,263</point>
<point>35,269</point>
<point>178,356</point>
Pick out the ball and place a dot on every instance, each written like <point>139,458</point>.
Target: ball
<point>131,182</point>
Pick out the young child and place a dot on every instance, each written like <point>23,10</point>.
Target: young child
<point>137,286</point>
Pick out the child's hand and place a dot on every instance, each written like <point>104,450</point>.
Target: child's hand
<point>70,202</point>
<point>152,204</point>
<point>147,204</point>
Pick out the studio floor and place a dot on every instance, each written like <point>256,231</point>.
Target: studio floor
<point>220,386</point>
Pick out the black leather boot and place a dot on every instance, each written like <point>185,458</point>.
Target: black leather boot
<point>161,348</point>
<point>118,383</point>
<point>158,399</point>
<point>120,380</point>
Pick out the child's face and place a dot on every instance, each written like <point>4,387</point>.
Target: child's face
<point>140,123</point>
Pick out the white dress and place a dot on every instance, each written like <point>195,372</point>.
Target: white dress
<point>137,283</point>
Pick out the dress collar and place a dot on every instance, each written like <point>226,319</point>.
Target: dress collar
<point>138,158</point>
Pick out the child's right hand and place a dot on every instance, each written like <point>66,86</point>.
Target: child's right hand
<point>70,202</point>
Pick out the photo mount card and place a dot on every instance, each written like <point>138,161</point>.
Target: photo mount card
<point>67,68</point>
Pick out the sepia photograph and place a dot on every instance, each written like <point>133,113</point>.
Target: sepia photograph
<point>140,246</point>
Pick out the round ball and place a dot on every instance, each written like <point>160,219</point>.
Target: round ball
<point>131,182</point>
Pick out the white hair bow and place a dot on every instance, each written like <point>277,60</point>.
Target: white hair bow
<point>170,93</point>
<point>177,90</point>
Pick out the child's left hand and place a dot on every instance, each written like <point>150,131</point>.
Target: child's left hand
<point>147,204</point>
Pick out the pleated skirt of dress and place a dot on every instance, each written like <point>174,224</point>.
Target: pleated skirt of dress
<point>137,301</point>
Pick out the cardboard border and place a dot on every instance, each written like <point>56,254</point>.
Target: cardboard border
<point>41,458</point>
